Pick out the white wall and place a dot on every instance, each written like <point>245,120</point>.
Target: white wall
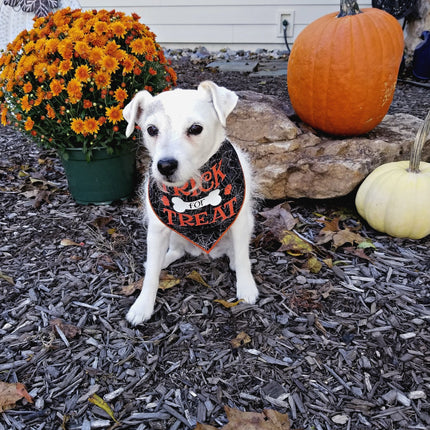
<point>237,24</point>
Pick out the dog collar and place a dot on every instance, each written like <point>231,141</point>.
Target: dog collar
<point>203,214</point>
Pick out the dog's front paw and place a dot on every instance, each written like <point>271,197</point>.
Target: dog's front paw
<point>247,292</point>
<point>139,313</point>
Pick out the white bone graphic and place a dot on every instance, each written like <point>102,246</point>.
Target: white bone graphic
<point>213,198</point>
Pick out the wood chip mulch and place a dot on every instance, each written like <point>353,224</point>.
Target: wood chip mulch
<point>341,344</point>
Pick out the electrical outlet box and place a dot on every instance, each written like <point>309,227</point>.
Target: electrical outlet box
<point>285,15</point>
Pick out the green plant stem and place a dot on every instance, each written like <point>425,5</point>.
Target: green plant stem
<point>348,7</point>
<point>420,139</point>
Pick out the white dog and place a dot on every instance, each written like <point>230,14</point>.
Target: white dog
<point>198,195</point>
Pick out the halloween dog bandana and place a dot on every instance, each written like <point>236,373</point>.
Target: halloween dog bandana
<point>203,214</point>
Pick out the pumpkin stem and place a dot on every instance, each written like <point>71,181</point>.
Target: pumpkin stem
<point>417,147</point>
<point>348,7</point>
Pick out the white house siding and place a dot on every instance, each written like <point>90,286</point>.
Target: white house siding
<point>236,24</point>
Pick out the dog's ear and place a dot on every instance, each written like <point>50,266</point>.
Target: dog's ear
<point>224,100</point>
<point>134,109</point>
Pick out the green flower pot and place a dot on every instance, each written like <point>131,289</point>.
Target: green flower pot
<point>104,179</point>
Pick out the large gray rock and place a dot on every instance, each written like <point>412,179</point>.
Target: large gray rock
<point>292,161</point>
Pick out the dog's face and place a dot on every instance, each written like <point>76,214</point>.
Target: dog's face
<point>182,129</point>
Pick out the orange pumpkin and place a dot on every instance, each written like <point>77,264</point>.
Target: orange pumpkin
<point>343,68</point>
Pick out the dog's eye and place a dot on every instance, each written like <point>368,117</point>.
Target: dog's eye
<point>195,129</point>
<point>152,130</point>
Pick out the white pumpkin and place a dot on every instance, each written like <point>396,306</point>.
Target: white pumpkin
<point>395,197</point>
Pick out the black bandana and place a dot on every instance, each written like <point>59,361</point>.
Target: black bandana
<point>203,214</point>
<point>38,7</point>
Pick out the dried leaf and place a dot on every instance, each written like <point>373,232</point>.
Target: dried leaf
<point>69,330</point>
<point>293,244</point>
<point>227,304</point>
<point>346,236</point>
<point>357,252</point>
<point>69,242</point>
<point>11,393</point>
<point>101,222</point>
<point>7,278</point>
<point>279,218</point>
<point>106,262</point>
<point>167,281</point>
<point>98,401</point>
<point>314,265</point>
<point>333,232</point>
<point>195,276</point>
<point>42,196</point>
<point>240,340</point>
<point>128,290</point>
<point>366,244</point>
<point>238,420</point>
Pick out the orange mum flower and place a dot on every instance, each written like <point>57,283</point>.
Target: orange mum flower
<point>114,114</point>
<point>74,90</point>
<point>91,126</point>
<point>118,29</point>
<point>56,87</point>
<point>102,80</point>
<point>29,123</point>
<point>96,55</point>
<point>25,104</point>
<point>77,125</point>
<point>110,64</point>
<point>127,65</point>
<point>152,71</point>
<point>120,95</point>
<point>27,87</point>
<point>100,27</point>
<point>138,46</point>
<point>52,45</point>
<point>50,111</point>
<point>83,73</point>
<point>65,66</point>
<point>65,48</point>
<point>88,104</point>
<point>4,115</point>
<point>52,70</point>
<point>82,49</point>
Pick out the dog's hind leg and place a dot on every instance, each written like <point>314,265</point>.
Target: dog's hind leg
<point>158,242</point>
<point>245,284</point>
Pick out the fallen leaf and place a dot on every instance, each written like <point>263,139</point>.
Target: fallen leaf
<point>167,281</point>
<point>279,218</point>
<point>106,262</point>
<point>357,252</point>
<point>366,244</point>
<point>98,401</point>
<point>129,289</point>
<point>333,232</point>
<point>69,242</point>
<point>11,393</point>
<point>227,304</point>
<point>7,278</point>
<point>239,420</point>
<point>240,340</point>
<point>195,276</point>
<point>101,222</point>
<point>293,244</point>
<point>42,196</point>
<point>346,236</point>
<point>69,330</point>
<point>314,265</point>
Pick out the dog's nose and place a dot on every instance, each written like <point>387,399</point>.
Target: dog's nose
<point>167,166</point>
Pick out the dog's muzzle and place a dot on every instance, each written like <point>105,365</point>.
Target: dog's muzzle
<point>167,166</point>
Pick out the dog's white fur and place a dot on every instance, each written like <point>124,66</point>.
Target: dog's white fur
<point>172,114</point>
